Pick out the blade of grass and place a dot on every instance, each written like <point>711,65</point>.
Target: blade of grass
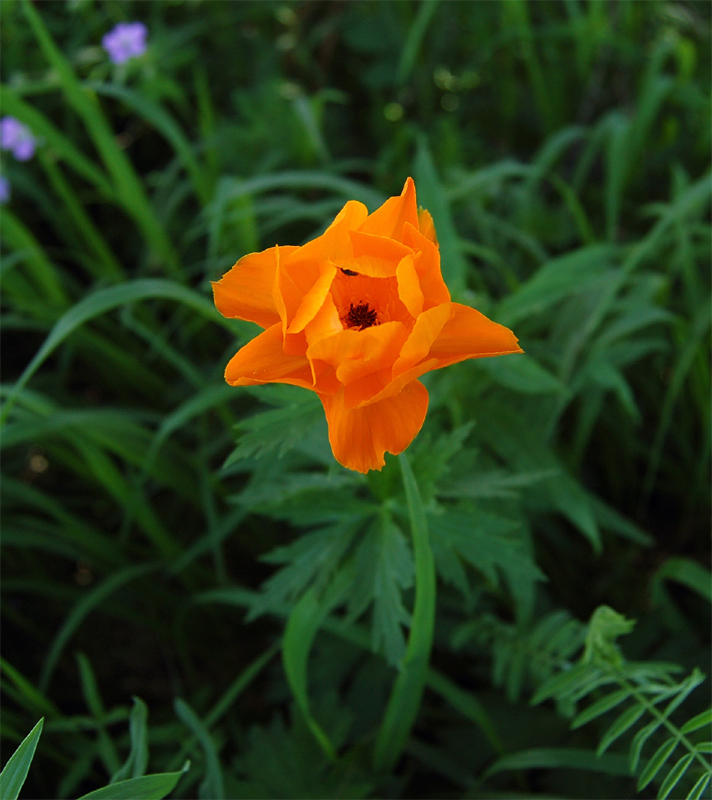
<point>104,264</point>
<point>432,196</point>
<point>56,141</point>
<point>85,606</point>
<point>99,303</point>
<point>409,54</point>
<point>43,273</point>
<point>302,626</point>
<point>137,760</point>
<point>212,785</point>
<point>165,124</point>
<point>149,787</point>
<point>128,185</point>
<point>15,771</point>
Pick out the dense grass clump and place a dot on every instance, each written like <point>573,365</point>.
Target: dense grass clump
<point>188,575</point>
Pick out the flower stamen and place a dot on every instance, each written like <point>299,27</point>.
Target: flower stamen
<point>361,316</point>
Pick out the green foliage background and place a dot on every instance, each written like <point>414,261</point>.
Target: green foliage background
<point>165,537</point>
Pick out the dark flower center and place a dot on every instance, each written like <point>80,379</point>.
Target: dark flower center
<point>361,316</point>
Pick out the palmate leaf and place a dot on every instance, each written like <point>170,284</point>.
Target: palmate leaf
<point>492,544</point>
<point>393,574</point>
<point>280,760</point>
<point>310,559</point>
<point>278,429</point>
<point>383,569</point>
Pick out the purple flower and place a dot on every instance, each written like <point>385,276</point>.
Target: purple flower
<point>127,40</point>
<point>17,138</point>
<point>4,190</point>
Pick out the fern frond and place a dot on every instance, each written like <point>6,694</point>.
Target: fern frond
<point>641,689</point>
<point>521,656</point>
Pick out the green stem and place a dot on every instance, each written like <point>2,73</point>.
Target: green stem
<point>404,701</point>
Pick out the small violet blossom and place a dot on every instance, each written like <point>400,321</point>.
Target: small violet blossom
<point>17,138</point>
<point>127,40</point>
<point>4,190</point>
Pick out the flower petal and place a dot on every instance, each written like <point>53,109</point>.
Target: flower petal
<point>262,360</point>
<point>360,436</point>
<point>357,353</point>
<point>432,284</point>
<point>305,266</point>
<point>409,289</point>
<point>245,291</point>
<point>469,334</point>
<point>333,245</point>
<point>427,226</point>
<point>326,322</point>
<point>373,255</point>
<point>388,220</point>
<point>426,330</point>
<point>313,300</point>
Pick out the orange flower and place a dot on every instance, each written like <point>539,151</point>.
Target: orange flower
<point>357,315</point>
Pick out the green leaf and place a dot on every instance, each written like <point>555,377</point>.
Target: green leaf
<point>149,787</point>
<point>311,559</point>
<point>674,776</point>
<point>467,704</point>
<point>31,698</point>
<point>46,277</point>
<point>100,302</point>
<point>639,740</point>
<point>90,690</point>
<point>494,483</point>
<point>409,54</point>
<point>279,429</point>
<point>491,544</point>
<point>700,721</point>
<point>687,572</point>
<point>600,707</point>
<point>129,187</point>
<point>561,758</point>
<point>626,720</point>
<point>83,607</point>
<point>562,684</point>
<point>568,274</point>
<point>699,787</point>
<point>432,196</point>
<point>302,626</point>
<point>605,626</point>
<point>212,784</point>
<point>658,758</point>
<point>61,145</point>
<point>162,121</point>
<point>137,760</point>
<point>15,771</point>
<point>522,374</point>
<point>392,574</point>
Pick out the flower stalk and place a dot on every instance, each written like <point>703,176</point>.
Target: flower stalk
<point>404,701</point>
